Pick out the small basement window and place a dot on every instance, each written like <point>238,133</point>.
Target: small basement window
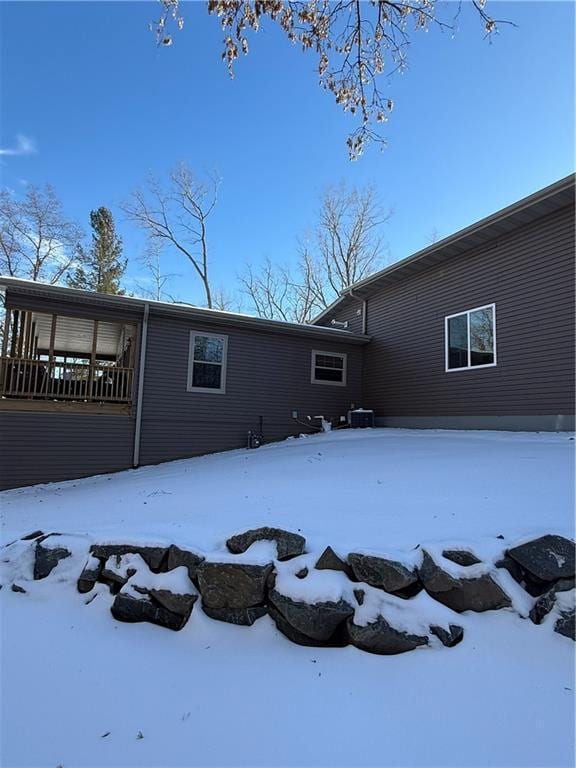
<point>470,339</point>
<point>328,368</point>
<point>207,363</point>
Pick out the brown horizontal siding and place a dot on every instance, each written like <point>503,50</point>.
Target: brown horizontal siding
<point>47,447</point>
<point>268,375</point>
<point>351,312</point>
<point>529,275</point>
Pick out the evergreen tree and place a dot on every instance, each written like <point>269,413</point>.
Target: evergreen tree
<point>102,266</point>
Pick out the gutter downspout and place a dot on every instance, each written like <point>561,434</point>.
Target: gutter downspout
<point>364,311</point>
<point>141,369</point>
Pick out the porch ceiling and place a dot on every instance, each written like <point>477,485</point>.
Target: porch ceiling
<point>74,335</point>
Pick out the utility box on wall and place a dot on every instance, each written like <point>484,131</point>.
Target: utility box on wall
<point>360,418</point>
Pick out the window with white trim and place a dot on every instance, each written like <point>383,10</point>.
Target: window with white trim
<point>470,339</point>
<point>207,362</point>
<point>329,368</point>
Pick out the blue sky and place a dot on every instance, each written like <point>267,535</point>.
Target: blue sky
<point>475,127</point>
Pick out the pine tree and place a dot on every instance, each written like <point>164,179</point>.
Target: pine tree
<point>102,266</point>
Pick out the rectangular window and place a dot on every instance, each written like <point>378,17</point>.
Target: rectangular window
<point>328,368</point>
<point>471,339</point>
<point>207,363</point>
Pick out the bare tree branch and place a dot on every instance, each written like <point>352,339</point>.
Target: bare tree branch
<point>357,42</point>
<point>37,241</point>
<point>176,214</point>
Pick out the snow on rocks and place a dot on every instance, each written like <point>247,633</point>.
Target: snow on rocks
<point>548,558</point>
<point>118,569</point>
<point>448,637</point>
<point>330,561</point>
<point>461,587</point>
<point>152,555</point>
<point>49,551</point>
<point>166,599</point>
<point>388,574</point>
<point>177,557</point>
<point>288,544</point>
<point>382,638</point>
<point>383,603</point>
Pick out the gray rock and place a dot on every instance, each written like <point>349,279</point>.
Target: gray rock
<point>131,609</point>
<point>380,637</point>
<point>299,638</point>
<point>543,606</point>
<point>233,585</point>
<point>177,557</point>
<point>329,561</point>
<point>359,594</point>
<point>565,624</point>
<point>461,557</point>
<point>110,576</point>
<point>301,574</point>
<point>47,559</point>
<point>18,588</point>
<point>242,616</point>
<point>389,575</point>
<point>548,558</point>
<point>448,637</point>
<point>180,604</point>
<point>476,594</point>
<point>288,544</point>
<point>319,622</point>
<point>153,556</point>
<point>531,584</point>
<point>90,575</point>
<point>564,585</point>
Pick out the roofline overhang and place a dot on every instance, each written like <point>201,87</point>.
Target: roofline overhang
<point>183,310</point>
<point>487,228</point>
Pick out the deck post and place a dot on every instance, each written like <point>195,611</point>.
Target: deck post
<point>141,369</point>
<point>90,391</point>
<point>4,362</point>
<point>50,373</point>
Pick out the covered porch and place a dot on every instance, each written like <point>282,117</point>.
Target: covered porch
<point>63,359</point>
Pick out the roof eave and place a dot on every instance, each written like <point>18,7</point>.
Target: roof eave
<point>206,315</point>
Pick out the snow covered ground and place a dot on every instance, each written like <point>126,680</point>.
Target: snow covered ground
<point>215,694</point>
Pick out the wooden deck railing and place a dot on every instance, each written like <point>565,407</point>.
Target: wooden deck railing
<point>42,380</point>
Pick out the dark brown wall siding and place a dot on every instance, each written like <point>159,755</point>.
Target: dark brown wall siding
<point>47,447</point>
<point>529,275</point>
<point>268,375</point>
<point>351,312</point>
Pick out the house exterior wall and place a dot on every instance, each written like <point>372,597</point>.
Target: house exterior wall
<point>41,447</point>
<point>268,376</point>
<point>529,275</point>
<point>48,447</point>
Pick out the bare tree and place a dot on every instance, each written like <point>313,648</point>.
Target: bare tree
<point>154,284</point>
<point>357,42</point>
<point>346,246</point>
<point>225,301</point>
<point>176,214</point>
<point>270,290</point>
<point>37,241</point>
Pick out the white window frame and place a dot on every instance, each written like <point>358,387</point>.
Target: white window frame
<point>468,312</point>
<point>223,364</point>
<point>342,355</point>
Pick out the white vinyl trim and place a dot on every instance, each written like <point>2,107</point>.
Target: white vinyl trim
<point>467,313</point>
<point>342,355</point>
<point>212,390</point>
